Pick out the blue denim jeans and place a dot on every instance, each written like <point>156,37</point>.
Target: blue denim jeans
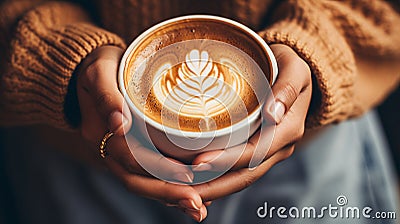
<point>343,169</point>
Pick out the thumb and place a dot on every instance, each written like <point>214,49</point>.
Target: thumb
<point>294,76</point>
<point>100,80</point>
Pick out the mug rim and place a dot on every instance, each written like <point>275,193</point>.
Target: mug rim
<point>194,134</point>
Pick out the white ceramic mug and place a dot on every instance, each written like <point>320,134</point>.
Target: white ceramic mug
<point>185,145</point>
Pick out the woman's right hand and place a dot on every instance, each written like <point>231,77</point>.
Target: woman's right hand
<point>103,109</point>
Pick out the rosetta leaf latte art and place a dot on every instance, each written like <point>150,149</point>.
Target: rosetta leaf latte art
<point>198,87</point>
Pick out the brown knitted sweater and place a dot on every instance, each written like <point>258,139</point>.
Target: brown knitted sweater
<point>42,42</point>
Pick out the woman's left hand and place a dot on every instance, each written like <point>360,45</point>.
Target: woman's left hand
<point>288,108</point>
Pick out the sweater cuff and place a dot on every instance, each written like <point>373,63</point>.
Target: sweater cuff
<point>332,65</point>
<point>42,63</point>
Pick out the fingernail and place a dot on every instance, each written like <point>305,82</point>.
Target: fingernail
<point>117,121</point>
<point>203,213</point>
<point>277,111</point>
<point>251,168</point>
<point>183,177</point>
<point>188,204</point>
<point>195,215</point>
<point>201,217</point>
<point>202,167</point>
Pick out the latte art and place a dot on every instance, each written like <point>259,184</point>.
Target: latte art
<point>198,87</point>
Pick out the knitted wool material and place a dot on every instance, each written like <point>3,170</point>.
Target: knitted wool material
<point>42,43</point>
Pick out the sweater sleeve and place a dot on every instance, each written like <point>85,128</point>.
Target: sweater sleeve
<point>42,43</point>
<point>328,35</point>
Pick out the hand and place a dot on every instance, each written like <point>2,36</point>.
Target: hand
<point>288,109</point>
<point>102,108</point>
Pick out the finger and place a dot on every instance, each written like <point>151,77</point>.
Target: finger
<point>235,181</point>
<point>207,203</point>
<point>292,127</point>
<point>99,79</point>
<point>260,146</point>
<point>93,127</point>
<point>294,76</point>
<point>127,155</point>
<point>238,156</point>
<point>183,195</point>
<point>292,93</point>
<point>197,215</point>
<point>127,151</point>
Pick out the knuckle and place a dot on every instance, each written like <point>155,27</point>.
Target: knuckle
<point>94,69</point>
<point>99,65</point>
<point>106,60</point>
<point>103,99</point>
<point>301,64</point>
<point>296,60</point>
<point>284,154</point>
<point>290,91</point>
<point>299,134</point>
<point>297,130</point>
<point>91,72</point>
<point>304,68</point>
<point>289,152</point>
<point>300,131</point>
<point>248,180</point>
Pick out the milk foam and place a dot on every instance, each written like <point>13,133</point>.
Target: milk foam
<point>196,85</point>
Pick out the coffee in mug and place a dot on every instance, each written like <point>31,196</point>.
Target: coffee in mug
<point>197,83</point>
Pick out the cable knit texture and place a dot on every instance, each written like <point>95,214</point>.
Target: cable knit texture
<point>50,41</point>
<point>44,41</point>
